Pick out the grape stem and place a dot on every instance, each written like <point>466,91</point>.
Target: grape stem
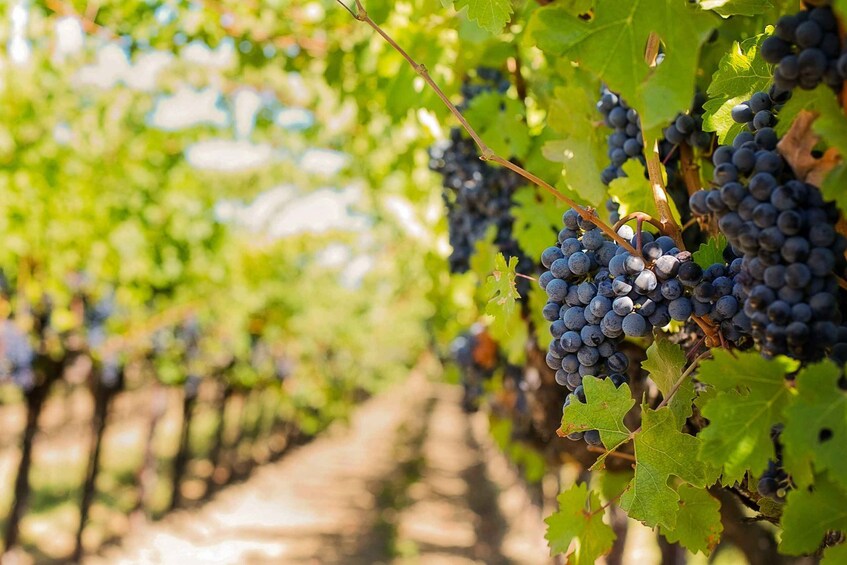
<point>641,216</point>
<point>654,164</point>
<point>639,223</point>
<point>841,282</point>
<point>527,277</point>
<point>612,500</point>
<point>486,154</point>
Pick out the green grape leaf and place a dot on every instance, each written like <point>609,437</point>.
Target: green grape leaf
<point>537,162</point>
<point>499,120</point>
<point>579,519</point>
<point>612,483</point>
<point>538,219</point>
<point>815,433</point>
<point>698,521</point>
<point>751,395</point>
<point>501,287</point>
<point>612,46</point>
<point>483,261</point>
<point>490,15</point>
<point>604,410</point>
<point>833,186</point>
<point>728,8</point>
<point>634,193</point>
<point>710,252</point>
<point>809,513</point>
<point>665,363</point>
<point>662,451</point>
<point>741,73</point>
<point>507,326</point>
<point>573,116</point>
<point>835,555</point>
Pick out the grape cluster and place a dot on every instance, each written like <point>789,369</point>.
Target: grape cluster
<point>598,293</point>
<point>686,128</point>
<point>806,50</point>
<point>761,110</point>
<point>487,80</point>
<point>784,231</point>
<point>477,195</point>
<point>627,142</point>
<point>17,356</point>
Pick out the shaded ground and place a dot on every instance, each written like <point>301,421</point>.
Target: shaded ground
<point>410,480</point>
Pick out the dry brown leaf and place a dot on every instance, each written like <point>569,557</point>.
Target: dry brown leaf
<point>796,146</point>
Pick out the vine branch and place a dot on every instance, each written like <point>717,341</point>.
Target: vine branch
<point>486,154</point>
<point>654,164</point>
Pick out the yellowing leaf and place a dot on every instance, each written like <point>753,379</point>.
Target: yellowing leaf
<point>581,149</point>
<point>507,326</point>
<point>710,252</point>
<point>578,524</point>
<point>538,219</point>
<point>604,410</point>
<point>741,73</point>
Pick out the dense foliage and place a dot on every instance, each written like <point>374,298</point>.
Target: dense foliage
<point>701,338</point>
<point>176,215</point>
<point>726,345</point>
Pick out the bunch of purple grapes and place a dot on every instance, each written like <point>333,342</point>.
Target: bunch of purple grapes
<point>785,234</point>
<point>598,293</point>
<point>806,50</point>
<point>477,196</point>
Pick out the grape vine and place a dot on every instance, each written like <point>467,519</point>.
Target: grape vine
<point>726,315</point>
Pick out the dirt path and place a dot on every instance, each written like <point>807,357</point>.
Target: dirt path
<point>411,480</point>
